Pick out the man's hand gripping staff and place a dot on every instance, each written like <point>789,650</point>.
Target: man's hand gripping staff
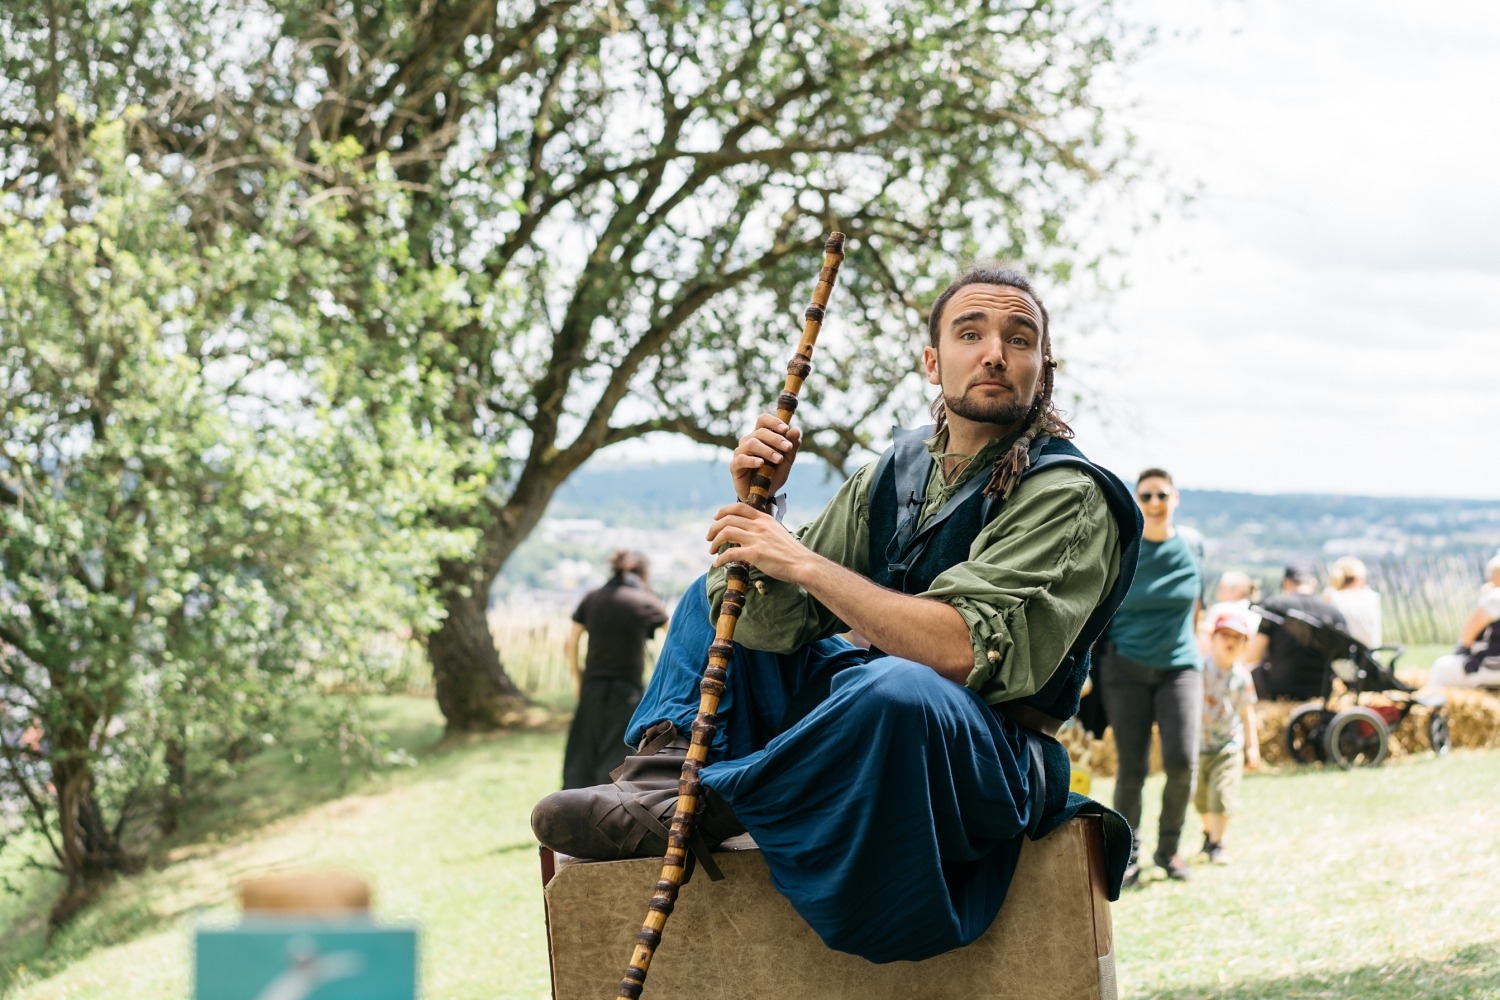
<point>674,865</point>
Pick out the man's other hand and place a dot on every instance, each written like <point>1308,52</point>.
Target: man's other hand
<point>742,533</point>
<point>771,445</point>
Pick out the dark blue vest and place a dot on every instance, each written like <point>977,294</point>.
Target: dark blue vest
<point>907,559</point>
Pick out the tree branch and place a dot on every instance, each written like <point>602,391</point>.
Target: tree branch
<point>38,806</point>
<point>596,428</point>
<point>11,637</point>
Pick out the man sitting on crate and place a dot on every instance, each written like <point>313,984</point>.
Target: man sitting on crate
<point>888,789</point>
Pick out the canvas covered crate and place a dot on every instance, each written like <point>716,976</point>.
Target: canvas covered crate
<point>741,938</point>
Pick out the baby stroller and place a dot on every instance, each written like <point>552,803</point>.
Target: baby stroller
<point>1356,735</point>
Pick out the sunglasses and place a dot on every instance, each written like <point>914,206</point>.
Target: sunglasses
<point>1148,496</point>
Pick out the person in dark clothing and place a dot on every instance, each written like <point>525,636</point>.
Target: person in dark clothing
<point>618,617</point>
<point>890,789</point>
<point>1287,669</point>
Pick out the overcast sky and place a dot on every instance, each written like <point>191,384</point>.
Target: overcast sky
<point>1327,316</point>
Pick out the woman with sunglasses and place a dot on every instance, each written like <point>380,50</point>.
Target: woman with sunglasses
<point>1150,671</point>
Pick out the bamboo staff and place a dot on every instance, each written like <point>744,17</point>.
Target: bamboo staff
<point>674,865</point>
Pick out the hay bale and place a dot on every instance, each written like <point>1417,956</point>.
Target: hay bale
<point>1102,759</point>
<point>1473,717</point>
<point>1473,721</point>
<point>1271,718</point>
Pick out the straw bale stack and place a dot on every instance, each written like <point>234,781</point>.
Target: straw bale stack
<point>1473,717</point>
<point>1076,740</point>
<point>1473,721</point>
<point>1271,718</point>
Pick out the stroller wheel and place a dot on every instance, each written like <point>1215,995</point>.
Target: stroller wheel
<point>1304,734</point>
<point>1437,733</point>
<point>1357,737</point>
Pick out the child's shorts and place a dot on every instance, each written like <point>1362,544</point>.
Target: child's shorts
<point>1219,776</point>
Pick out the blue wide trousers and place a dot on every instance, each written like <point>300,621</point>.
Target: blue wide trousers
<point>890,815</point>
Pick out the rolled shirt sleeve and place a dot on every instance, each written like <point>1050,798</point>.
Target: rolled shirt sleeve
<point>1034,575</point>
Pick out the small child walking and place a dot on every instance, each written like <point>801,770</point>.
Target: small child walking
<point>1230,743</point>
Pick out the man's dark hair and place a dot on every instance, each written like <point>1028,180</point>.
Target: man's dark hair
<point>1301,572</point>
<point>987,273</point>
<point>629,561</point>
<point>1153,473</point>
<point>1043,417</point>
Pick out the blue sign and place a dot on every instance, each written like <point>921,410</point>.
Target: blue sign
<point>265,959</point>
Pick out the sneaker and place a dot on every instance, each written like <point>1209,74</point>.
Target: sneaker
<point>1218,855</point>
<point>1208,847</point>
<point>1175,868</point>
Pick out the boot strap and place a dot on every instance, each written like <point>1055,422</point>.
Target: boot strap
<point>657,738</point>
<point>661,735</point>
<point>646,822</point>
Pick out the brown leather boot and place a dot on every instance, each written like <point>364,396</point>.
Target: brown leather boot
<point>630,817</point>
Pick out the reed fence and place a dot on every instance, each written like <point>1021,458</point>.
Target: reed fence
<point>1425,599</point>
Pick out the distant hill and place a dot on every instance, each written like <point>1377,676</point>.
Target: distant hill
<point>1257,528</point>
<point>664,493</point>
<point>664,508</point>
<point>667,491</point>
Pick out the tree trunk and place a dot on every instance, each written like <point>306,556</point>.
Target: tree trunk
<point>473,690</point>
<point>90,849</point>
<point>174,791</point>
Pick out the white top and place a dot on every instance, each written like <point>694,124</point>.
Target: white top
<point>1490,602</point>
<point>1361,609</point>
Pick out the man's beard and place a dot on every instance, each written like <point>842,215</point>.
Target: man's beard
<point>988,411</point>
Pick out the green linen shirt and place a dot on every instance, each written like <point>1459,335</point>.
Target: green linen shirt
<point>1034,573</point>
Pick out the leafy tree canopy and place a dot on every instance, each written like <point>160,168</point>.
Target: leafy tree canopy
<point>601,219</point>
<point>188,530</point>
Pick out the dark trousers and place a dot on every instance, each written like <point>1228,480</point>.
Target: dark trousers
<point>1135,696</point>
<point>596,739</point>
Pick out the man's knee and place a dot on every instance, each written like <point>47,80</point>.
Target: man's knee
<point>894,691</point>
<point>906,684</point>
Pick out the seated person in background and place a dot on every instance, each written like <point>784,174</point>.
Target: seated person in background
<point>1360,605</point>
<point>1291,671</point>
<point>1234,594</point>
<point>1476,662</point>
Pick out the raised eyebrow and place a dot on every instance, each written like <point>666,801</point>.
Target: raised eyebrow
<point>1012,319</point>
<point>971,316</point>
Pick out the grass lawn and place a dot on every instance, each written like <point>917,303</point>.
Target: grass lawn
<point>1374,884</point>
<point>1378,883</point>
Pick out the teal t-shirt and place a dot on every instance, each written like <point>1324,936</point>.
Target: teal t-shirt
<point>1154,626</point>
